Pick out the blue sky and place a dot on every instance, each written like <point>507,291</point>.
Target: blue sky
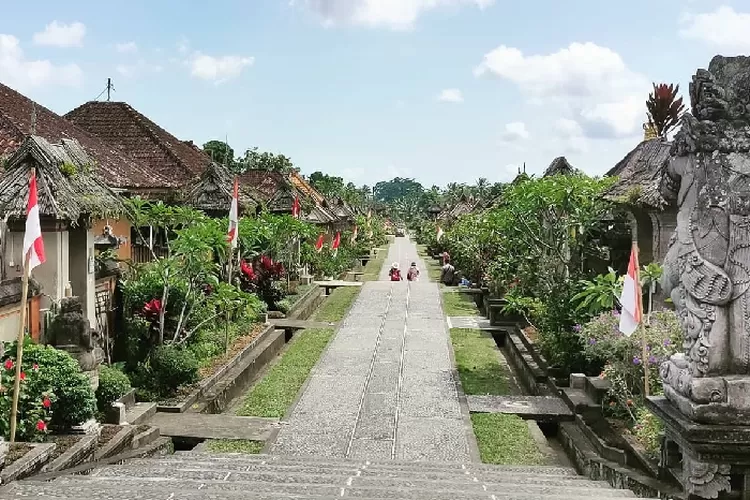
<point>439,90</point>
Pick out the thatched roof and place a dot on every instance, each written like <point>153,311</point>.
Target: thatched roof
<point>213,191</point>
<point>67,187</point>
<point>640,174</point>
<point>11,289</point>
<point>559,166</point>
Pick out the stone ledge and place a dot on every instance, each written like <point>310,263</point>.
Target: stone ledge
<point>80,452</point>
<point>117,444</point>
<point>28,464</point>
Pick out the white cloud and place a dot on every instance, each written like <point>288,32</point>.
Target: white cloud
<point>61,35</point>
<point>571,135</point>
<point>588,82</point>
<point>393,14</point>
<point>451,95</point>
<point>514,132</point>
<point>183,45</point>
<point>127,48</point>
<point>21,73</point>
<point>218,69</point>
<point>723,28</point>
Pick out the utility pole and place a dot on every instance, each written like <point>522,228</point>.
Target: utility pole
<point>110,89</point>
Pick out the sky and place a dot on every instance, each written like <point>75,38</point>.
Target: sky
<point>438,90</point>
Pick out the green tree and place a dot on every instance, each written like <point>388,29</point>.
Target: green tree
<point>220,152</point>
<point>396,189</point>
<point>257,160</point>
<point>329,185</point>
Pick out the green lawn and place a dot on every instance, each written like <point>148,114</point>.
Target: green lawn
<point>374,265</point>
<point>502,439</point>
<point>459,304</point>
<point>234,446</point>
<point>505,440</point>
<point>275,393</point>
<point>432,267</point>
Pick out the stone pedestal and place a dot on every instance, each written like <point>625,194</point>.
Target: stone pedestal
<point>711,461</point>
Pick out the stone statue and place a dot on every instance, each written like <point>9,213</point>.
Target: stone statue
<point>707,268</point>
<point>70,331</point>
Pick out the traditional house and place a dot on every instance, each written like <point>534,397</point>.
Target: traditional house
<point>212,193</point>
<point>70,196</point>
<point>559,166</point>
<point>639,174</point>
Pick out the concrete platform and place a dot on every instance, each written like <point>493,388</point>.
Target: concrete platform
<point>208,426</point>
<point>540,408</point>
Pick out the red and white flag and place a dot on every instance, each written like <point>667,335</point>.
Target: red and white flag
<point>439,233</point>
<point>319,243</point>
<point>295,207</point>
<point>336,242</point>
<point>632,306</point>
<point>234,216</point>
<point>33,245</point>
<point>355,231</point>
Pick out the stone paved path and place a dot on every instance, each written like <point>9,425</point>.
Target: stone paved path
<point>385,388</point>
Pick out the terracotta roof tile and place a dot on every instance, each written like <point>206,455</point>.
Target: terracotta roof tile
<point>114,168</point>
<point>142,139</point>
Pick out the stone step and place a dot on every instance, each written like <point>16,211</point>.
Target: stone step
<point>366,471</point>
<point>141,488</point>
<point>341,477</point>
<point>140,413</point>
<point>414,466</point>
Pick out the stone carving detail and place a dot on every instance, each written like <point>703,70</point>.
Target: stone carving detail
<point>71,331</point>
<point>705,480</point>
<point>707,267</point>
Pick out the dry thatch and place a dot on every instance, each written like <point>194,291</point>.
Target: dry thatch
<point>67,186</point>
<point>559,166</point>
<point>213,191</point>
<point>640,174</point>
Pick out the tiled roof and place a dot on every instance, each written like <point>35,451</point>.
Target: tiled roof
<point>113,167</point>
<point>265,182</point>
<point>143,140</point>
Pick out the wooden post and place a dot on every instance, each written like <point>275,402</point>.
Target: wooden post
<point>229,280</point>
<point>19,350</point>
<point>639,305</point>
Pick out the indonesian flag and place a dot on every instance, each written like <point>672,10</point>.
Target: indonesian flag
<point>439,233</point>
<point>233,216</point>
<point>33,245</point>
<point>336,241</point>
<point>630,299</point>
<point>355,231</point>
<point>295,207</point>
<point>319,243</point>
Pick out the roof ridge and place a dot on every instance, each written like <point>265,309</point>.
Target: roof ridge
<point>140,120</point>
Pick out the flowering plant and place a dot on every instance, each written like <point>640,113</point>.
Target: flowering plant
<point>623,359</point>
<point>34,404</point>
<point>263,277</point>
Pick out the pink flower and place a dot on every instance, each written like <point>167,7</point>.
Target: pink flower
<point>8,364</point>
<point>41,426</point>
<point>35,367</point>
<point>22,376</point>
<point>46,403</point>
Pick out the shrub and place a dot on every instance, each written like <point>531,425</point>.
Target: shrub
<point>113,384</point>
<point>35,403</point>
<point>58,373</point>
<point>647,430</point>
<point>172,367</point>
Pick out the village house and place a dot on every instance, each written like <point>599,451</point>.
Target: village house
<point>637,190</point>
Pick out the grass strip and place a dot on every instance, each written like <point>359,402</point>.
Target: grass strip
<point>459,304</point>
<point>505,440</point>
<point>502,439</point>
<point>234,446</point>
<point>275,393</point>
<point>432,267</point>
<point>374,265</point>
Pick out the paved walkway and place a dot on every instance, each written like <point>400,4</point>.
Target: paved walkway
<point>385,388</point>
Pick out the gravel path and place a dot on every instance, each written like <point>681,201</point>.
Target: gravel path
<point>385,388</point>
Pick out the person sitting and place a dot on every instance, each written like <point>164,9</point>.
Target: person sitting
<point>395,273</point>
<point>448,274</point>
<point>413,273</point>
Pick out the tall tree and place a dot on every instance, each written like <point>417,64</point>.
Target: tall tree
<point>257,160</point>
<point>664,108</point>
<point>329,185</point>
<point>220,152</point>
<point>397,188</point>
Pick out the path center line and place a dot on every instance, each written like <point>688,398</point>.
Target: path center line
<point>401,373</point>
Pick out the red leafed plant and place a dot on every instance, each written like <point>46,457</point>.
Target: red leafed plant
<point>152,309</point>
<point>664,108</point>
<point>263,278</point>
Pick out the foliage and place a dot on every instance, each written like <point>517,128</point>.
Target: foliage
<point>35,402</point>
<point>599,294</point>
<point>56,372</point>
<point>172,367</point>
<point>622,358</point>
<point>647,430</point>
<point>113,384</point>
<point>257,160</point>
<point>262,277</point>
<point>664,108</point>
<point>220,152</point>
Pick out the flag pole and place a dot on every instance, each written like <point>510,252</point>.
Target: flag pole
<point>639,305</point>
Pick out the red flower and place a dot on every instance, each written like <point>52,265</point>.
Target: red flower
<point>8,364</point>
<point>35,367</point>
<point>22,376</point>
<point>152,308</point>
<point>41,426</point>
<point>46,403</point>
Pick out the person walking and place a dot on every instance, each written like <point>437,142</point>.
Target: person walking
<point>413,273</point>
<point>395,273</point>
<point>448,274</point>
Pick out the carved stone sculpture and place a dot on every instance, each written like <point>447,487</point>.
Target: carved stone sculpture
<point>707,268</point>
<point>70,331</point>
